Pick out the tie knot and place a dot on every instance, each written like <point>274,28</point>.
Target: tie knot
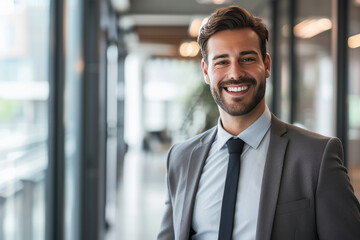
<point>235,145</point>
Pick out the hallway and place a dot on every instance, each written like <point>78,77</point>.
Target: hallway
<point>141,196</point>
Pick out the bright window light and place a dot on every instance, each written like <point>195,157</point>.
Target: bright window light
<point>7,6</point>
<point>31,90</point>
<point>160,91</point>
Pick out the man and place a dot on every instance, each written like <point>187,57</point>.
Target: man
<point>292,182</point>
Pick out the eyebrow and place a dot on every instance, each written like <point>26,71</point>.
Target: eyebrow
<point>220,56</point>
<point>248,52</point>
<point>243,53</point>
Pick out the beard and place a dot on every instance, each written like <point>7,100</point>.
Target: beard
<point>238,108</point>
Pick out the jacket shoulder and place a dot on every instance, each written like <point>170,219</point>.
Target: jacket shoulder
<point>179,154</point>
<point>304,139</point>
<point>202,138</point>
<point>295,131</point>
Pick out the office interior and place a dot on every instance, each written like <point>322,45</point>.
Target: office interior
<point>94,92</point>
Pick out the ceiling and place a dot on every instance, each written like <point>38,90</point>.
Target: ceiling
<point>186,7</point>
<point>162,25</point>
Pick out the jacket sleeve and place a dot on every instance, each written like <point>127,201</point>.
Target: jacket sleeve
<point>167,226</point>
<point>337,209</point>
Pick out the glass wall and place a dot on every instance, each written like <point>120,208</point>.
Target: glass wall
<point>24,89</point>
<point>74,66</point>
<point>354,95</point>
<point>314,102</point>
<point>113,92</point>
<point>283,66</point>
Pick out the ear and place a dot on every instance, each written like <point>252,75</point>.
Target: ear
<point>267,65</point>
<point>204,67</point>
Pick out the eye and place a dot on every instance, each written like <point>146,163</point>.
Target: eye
<point>219,63</point>
<point>248,60</point>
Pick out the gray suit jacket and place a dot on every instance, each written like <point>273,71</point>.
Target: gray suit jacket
<point>306,192</point>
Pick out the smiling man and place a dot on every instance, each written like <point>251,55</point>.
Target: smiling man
<point>236,72</point>
<point>253,176</point>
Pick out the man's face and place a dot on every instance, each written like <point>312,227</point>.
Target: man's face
<point>236,71</point>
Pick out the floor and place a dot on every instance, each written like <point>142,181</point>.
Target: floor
<point>141,197</point>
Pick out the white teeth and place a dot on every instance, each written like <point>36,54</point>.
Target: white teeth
<point>237,89</point>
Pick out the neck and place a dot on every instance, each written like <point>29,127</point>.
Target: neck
<point>237,124</point>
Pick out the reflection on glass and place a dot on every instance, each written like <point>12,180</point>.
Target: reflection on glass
<point>283,59</point>
<point>314,106</point>
<point>354,96</point>
<point>24,54</point>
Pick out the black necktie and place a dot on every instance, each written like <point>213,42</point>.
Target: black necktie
<point>235,147</point>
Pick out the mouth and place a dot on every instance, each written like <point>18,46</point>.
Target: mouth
<point>236,89</point>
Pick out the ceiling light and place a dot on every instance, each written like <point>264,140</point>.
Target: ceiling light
<point>354,41</point>
<point>189,49</point>
<point>120,5</point>
<point>312,27</point>
<point>195,26</point>
<point>213,1</point>
<point>219,1</point>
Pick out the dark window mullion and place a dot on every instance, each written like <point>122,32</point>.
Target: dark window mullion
<point>293,62</point>
<point>276,96</point>
<point>55,172</point>
<point>93,158</point>
<point>342,82</point>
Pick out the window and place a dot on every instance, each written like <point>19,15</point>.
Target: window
<point>315,83</point>
<point>283,68</point>
<point>74,66</point>
<point>354,95</point>
<point>24,90</point>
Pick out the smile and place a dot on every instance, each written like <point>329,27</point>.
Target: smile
<point>237,89</point>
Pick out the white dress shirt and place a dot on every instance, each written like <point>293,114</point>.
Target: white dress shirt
<point>207,208</point>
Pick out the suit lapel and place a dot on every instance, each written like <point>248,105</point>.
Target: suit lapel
<point>271,179</point>
<point>196,164</point>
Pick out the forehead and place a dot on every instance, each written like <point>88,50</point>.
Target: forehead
<point>233,41</point>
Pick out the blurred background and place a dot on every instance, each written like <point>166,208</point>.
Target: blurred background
<point>94,92</point>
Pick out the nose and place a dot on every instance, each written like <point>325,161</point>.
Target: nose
<point>236,72</point>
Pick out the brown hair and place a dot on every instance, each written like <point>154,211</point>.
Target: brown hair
<point>229,18</point>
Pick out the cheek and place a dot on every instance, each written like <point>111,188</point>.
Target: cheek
<point>260,73</point>
<point>216,75</point>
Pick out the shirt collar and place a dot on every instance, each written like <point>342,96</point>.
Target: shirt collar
<point>251,136</point>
